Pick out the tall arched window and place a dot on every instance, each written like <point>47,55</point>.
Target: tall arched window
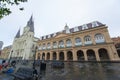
<point>54,44</point>
<point>68,43</point>
<point>44,46</point>
<point>87,40</point>
<point>78,41</point>
<point>48,46</point>
<point>99,38</point>
<point>61,44</point>
<point>40,47</point>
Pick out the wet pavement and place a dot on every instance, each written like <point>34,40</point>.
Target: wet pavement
<point>6,77</point>
<point>79,71</point>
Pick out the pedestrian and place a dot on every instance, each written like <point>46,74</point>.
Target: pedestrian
<point>35,74</point>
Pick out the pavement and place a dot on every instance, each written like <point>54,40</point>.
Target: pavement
<point>6,77</point>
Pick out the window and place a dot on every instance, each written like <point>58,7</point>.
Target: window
<point>44,46</point>
<point>48,46</point>
<point>61,43</point>
<point>68,43</point>
<point>87,40</point>
<point>54,44</point>
<point>99,38</point>
<point>84,27</point>
<point>78,41</point>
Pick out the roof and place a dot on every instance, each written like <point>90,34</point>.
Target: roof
<point>75,29</point>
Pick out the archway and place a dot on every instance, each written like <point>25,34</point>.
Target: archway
<point>80,55</point>
<point>118,51</point>
<point>54,56</point>
<point>48,56</point>
<point>103,54</point>
<point>61,55</point>
<point>91,55</point>
<point>69,55</point>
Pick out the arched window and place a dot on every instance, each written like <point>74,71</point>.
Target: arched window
<point>40,47</point>
<point>99,38</point>
<point>78,41</point>
<point>61,44</point>
<point>44,46</point>
<point>68,43</point>
<point>48,46</point>
<point>54,44</point>
<point>87,40</point>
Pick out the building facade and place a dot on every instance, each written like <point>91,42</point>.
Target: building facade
<point>23,45</point>
<point>116,41</point>
<point>82,43</point>
<point>5,52</point>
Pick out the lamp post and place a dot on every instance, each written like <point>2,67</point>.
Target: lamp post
<point>34,57</point>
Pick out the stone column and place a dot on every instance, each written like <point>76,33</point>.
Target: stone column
<point>40,56</point>
<point>51,55</point>
<point>64,43</point>
<point>73,42</point>
<point>85,55</point>
<point>97,54</point>
<point>93,39</point>
<point>45,56</point>
<point>74,55</point>
<point>65,55</point>
<point>82,40</point>
<point>57,53</point>
<point>113,53</point>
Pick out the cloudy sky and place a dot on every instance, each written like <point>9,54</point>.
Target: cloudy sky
<point>51,16</point>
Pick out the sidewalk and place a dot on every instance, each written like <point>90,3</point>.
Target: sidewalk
<point>6,77</point>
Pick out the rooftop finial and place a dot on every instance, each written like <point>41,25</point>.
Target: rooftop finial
<point>67,28</point>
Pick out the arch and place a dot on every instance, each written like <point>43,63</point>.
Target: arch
<point>69,55</point>
<point>54,55</point>
<point>99,38</point>
<point>103,54</point>
<point>118,51</point>
<point>80,55</point>
<point>68,43</point>
<point>48,56</point>
<point>61,55</point>
<point>91,54</point>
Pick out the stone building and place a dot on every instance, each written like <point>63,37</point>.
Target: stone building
<point>5,52</point>
<point>23,45</point>
<point>116,41</point>
<point>86,42</point>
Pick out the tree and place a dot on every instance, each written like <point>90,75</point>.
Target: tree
<point>5,10</point>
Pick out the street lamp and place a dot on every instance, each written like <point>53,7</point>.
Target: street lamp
<point>35,56</point>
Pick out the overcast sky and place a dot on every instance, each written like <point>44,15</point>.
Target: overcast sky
<point>51,16</point>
